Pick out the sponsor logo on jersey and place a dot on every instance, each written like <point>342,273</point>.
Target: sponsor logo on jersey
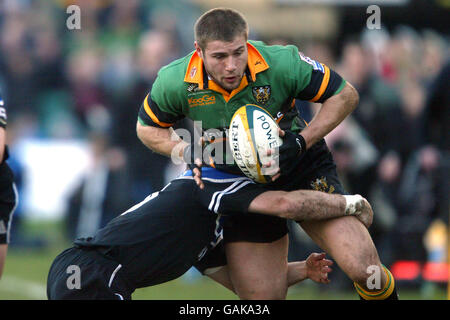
<point>316,65</point>
<point>261,94</point>
<point>203,100</point>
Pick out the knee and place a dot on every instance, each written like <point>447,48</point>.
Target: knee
<point>370,277</point>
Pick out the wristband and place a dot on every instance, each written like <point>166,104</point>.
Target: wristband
<point>302,143</point>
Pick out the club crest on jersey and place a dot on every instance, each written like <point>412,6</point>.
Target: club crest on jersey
<point>321,184</point>
<point>261,94</point>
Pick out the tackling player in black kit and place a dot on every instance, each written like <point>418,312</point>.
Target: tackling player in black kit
<point>8,191</point>
<point>182,226</point>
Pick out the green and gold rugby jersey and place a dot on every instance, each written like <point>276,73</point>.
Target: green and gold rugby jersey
<point>275,76</point>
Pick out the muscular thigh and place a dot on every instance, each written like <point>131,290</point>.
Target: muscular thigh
<point>258,270</point>
<point>347,241</point>
<point>256,250</point>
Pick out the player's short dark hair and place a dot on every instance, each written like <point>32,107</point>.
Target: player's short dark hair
<point>222,24</point>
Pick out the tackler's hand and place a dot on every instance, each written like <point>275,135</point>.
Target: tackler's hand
<point>317,267</point>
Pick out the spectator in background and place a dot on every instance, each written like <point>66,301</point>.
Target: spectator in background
<point>426,179</point>
<point>48,59</point>
<point>437,113</point>
<point>378,100</point>
<point>83,69</point>
<point>377,97</point>
<point>148,169</point>
<point>16,64</point>
<point>100,195</point>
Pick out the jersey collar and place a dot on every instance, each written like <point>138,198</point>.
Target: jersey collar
<point>196,73</point>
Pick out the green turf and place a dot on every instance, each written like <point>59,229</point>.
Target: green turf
<point>26,271</point>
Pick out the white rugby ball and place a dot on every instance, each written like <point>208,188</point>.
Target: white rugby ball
<point>252,132</point>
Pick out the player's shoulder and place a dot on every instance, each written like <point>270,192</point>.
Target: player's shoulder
<point>278,57</point>
<point>170,81</point>
<point>176,69</point>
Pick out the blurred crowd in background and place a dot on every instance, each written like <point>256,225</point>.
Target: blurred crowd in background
<point>89,84</point>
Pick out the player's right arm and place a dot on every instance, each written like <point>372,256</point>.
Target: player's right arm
<point>166,142</point>
<point>161,140</point>
<point>160,110</point>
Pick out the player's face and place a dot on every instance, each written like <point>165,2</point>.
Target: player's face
<point>225,62</point>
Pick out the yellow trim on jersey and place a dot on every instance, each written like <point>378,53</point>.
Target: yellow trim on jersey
<point>153,116</point>
<point>323,85</point>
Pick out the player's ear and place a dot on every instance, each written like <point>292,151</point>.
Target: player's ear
<point>198,49</point>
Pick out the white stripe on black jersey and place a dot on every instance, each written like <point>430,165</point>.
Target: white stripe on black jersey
<point>215,202</point>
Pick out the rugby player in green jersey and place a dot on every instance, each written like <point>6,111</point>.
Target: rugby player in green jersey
<point>227,71</point>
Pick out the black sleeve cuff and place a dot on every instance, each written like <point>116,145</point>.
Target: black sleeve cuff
<point>151,114</point>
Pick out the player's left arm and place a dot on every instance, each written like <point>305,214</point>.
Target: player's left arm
<point>318,83</point>
<point>332,112</point>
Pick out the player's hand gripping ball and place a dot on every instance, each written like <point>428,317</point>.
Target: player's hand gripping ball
<point>253,132</point>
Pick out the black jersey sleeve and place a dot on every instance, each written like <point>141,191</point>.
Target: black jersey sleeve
<point>8,201</point>
<point>228,196</point>
<point>323,84</point>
